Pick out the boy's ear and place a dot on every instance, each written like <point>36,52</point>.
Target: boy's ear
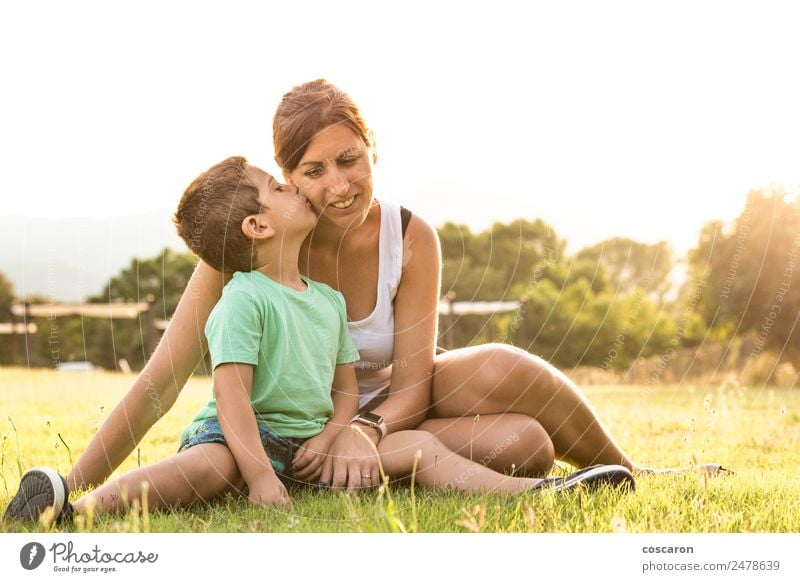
<point>257,227</point>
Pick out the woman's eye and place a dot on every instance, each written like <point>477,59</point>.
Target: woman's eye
<point>348,161</point>
<point>314,172</point>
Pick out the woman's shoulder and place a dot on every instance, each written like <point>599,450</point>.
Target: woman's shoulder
<point>420,238</point>
<point>419,226</point>
<point>412,225</point>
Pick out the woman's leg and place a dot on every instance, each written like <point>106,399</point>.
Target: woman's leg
<point>501,442</point>
<point>199,473</point>
<point>497,378</point>
<point>439,467</point>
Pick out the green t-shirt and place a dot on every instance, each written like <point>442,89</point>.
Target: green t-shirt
<point>295,340</point>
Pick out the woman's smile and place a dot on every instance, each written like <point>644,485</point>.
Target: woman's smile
<point>344,203</point>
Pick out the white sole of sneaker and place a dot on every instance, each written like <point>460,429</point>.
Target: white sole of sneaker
<point>59,494</point>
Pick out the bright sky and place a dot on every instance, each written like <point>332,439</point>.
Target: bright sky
<point>602,118</point>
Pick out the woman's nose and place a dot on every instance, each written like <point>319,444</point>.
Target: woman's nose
<point>338,182</point>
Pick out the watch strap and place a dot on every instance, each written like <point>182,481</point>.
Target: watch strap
<point>380,427</point>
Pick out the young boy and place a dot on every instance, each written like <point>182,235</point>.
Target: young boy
<point>282,380</point>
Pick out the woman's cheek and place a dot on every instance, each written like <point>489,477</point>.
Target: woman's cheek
<point>313,192</point>
<point>304,184</point>
<point>362,172</point>
<point>292,179</point>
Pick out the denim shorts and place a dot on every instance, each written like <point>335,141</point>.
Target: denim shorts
<point>280,450</point>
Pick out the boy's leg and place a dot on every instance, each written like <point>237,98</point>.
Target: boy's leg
<point>199,473</point>
<point>439,467</point>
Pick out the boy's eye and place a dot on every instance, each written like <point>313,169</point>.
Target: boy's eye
<point>280,188</point>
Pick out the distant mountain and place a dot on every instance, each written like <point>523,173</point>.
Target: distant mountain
<point>71,258</point>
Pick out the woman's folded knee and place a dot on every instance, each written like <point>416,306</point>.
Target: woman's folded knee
<point>510,371</point>
<point>529,448</point>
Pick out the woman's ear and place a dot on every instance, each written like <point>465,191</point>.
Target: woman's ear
<point>257,227</point>
<point>372,147</point>
<point>287,178</point>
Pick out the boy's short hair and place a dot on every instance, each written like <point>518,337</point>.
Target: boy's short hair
<point>210,214</point>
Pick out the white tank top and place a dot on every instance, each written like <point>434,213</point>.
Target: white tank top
<point>374,335</point>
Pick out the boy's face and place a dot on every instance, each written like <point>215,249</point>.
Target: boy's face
<point>285,208</point>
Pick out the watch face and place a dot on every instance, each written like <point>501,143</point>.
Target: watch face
<point>369,417</point>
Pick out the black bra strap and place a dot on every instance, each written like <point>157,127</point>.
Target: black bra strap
<point>405,218</point>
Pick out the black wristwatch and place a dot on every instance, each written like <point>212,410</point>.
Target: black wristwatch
<point>374,420</point>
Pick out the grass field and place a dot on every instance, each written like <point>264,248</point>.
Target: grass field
<point>756,431</point>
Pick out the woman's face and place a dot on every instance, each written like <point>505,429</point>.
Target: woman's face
<point>335,174</point>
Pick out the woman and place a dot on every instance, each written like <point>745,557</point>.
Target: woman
<point>390,276</point>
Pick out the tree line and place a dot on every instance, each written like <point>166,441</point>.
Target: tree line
<point>606,305</point>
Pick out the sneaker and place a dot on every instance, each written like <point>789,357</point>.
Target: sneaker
<point>591,478</point>
<point>39,489</point>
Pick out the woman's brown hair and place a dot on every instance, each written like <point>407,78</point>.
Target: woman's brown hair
<point>305,111</point>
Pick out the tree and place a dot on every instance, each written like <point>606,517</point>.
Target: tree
<point>6,297</point>
<point>514,250</point>
<point>499,263</point>
<point>629,264</point>
<point>595,309</point>
<point>488,265</point>
<point>573,324</point>
<point>746,275</point>
<point>7,350</point>
<point>164,278</point>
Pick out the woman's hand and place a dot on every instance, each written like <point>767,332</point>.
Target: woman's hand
<point>309,458</point>
<point>352,461</point>
<point>267,489</point>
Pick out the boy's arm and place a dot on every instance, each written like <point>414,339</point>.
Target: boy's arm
<point>344,394</point>
<point>233,385</point>
<point>307,464</point>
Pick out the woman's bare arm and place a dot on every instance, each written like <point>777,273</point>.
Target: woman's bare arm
<point>415,319</point>
<point>157,387</point>
<point>416,312</point>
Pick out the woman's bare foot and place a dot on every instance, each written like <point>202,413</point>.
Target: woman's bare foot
<point>709,469</point>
